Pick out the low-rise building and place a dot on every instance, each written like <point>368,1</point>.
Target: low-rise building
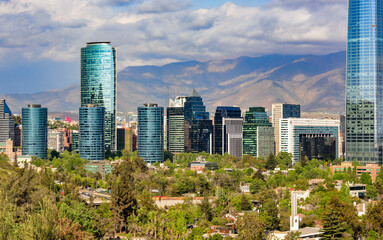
<point>372,169</point>
<point>8,149</point>
<point>102,167</point>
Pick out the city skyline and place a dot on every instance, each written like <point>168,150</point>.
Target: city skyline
<point>181,31</point>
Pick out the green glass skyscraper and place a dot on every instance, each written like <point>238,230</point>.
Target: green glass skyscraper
<point>258,133</point>
<point>98,84</point>
<point>364,90</point>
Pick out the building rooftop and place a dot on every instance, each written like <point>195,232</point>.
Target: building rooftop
<point>95,43</point>
<point>194,93</point>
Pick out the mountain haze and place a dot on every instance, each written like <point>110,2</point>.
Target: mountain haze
<point>315,82</point>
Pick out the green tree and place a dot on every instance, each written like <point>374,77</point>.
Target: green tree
<point>245,203</point>
<point>206,208</point>
<point>365,178</point>
<point>374,218</point>
<point>251,227</point>
<point>340,220</point>
<point>271,162</point>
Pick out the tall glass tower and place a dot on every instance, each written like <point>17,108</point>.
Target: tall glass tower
<point>364,88</point>
<point>35,131</point>
<point>92,145</point>
<point>151,133</point>
<point>219,138</point>
<point>98,84</point>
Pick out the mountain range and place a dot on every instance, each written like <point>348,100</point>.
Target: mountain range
<point>315,82</point>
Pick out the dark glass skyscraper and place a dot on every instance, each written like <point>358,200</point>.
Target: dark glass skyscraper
<point>92,145</point>
<point>98,84</point>
<point>220,113</point>
<point>364,91</point>
<point>35,131</point>
<point>198,126</point>
<point>151,133</point>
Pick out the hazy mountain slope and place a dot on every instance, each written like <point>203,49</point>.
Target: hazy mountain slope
<point>316,82</point>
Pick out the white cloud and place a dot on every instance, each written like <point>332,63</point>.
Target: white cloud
<point>160,31</point>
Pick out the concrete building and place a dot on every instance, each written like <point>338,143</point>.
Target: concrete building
<point>371,168</point>
<point>56,140</point>
<point>9,149</point>
<point>102,167</point>
<point>279,111</point>
<point>314,138</point>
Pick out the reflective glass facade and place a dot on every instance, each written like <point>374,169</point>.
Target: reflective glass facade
<point>198,126</point>
<point>151,133</point>
<point>7,124</point>
<point>92,145</point>
<point>258,133</point>
<point>219,137</point>
<point>175,131</point>
<point>98,84</point>
<point>364,91</point>
<point>35,131</point>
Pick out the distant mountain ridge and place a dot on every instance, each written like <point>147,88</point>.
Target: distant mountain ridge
<point>315,82</point>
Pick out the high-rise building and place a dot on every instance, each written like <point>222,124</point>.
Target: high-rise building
<point>92,145</point>
<point>258,133</point>
<point>198,125</point>
<point>364,84</point>
<point>98,84</point>
<point>35,131</point>
<point>232,136</point>
<point>219,138</point>
<point>314,138</point>
<point>175,129</point>
<point>150,133</point>
<point>283,110</point>
<point>56,140</point>
<point>75,143</point>
<point>124,139</point>
<point>7,124</point>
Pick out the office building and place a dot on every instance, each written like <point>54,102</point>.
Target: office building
<point>372,169</point>
<point>232,136</point>
<point>102,167</point>
<point>124,139</point>
<point>364,82</point>
<point>7,124</point>
<point>98,84</point>
<point>258,133</point>
<point>175,125</point>
<point>314,138</point>
<point>198,125</point>
<point>150,133</point>
<point>91,139</point>
<point>35,131</point>
<point>56,140</point>
<point>75,143</point>
<point>219,137</point>
<point>283,110</point>
<point>67,137</point>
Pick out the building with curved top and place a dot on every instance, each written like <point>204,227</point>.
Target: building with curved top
<point>151,133</point>
<point>92,145</point>
<point>35,131</point>
<point>98,84</point>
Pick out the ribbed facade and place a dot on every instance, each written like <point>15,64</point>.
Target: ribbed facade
<point>98,84</point>
<point>92,145</point>
<point>175,130</point>
<point>364,90</point>
<point>35,131</point>
<point>219,137</point>
<point>151,133</point>
<point>7,124</point>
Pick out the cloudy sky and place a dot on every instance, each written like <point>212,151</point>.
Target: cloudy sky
<point>40,40</point>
